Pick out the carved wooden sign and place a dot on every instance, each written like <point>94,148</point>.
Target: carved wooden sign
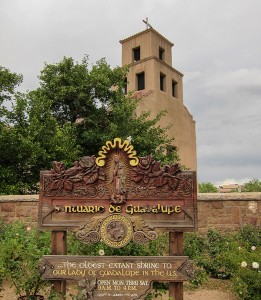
<point>117,197</point>
<point>115,277</point>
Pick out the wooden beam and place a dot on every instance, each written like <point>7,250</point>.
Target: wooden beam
<point>176,247</point>
<point>59,247</point>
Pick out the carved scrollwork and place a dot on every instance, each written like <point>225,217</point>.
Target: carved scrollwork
<point>187,268</point>
<point>43,264</point>
<point>141,237</point>
<point>116,231</point>
<point>149,178</point>
<point>80,180</point>
<point>185,186</point>
<point>89,233</point>
<point>142,232</point>
<point>90,237</point>
<point>150,172</point>
<point>87,287</point>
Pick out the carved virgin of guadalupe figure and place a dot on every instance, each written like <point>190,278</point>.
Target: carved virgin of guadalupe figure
<point>118,181</point>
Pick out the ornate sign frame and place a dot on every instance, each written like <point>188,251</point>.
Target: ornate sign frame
<point>147,194</point>
<point>115,198</point>
<point>116,277</point>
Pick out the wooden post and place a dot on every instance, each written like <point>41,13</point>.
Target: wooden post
<point>176,248</point>
<point>59,247</point>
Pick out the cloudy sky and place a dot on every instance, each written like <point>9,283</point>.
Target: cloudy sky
<point>217,48</point>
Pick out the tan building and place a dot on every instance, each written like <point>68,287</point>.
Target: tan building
<point>228,188</point>
<point>149,55</point>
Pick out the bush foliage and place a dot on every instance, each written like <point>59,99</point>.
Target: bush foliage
<point>235,256</point>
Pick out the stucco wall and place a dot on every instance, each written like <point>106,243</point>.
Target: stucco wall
<point>226,212</point>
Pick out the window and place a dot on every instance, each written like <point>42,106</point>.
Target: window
<point>161,53</point>
<point>174,89</point>
<point>124,88</point>
<point>162,82</point>
<point>136,54</point>
<point>140,81</point>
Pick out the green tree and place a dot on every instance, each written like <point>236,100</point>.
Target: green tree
<point>30,142</point>
<point>30,139</point>
<point>72,113</point>
<point>8,82</point>
<point>94,99</point>
<point>207,187</point>
<point>253,185</point>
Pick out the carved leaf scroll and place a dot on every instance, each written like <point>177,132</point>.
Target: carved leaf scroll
<point>87,177</point>
<point>90,232</point>
<point>149,178</point>
<point>87,286</point>
<point>142,232</point>
<point>81,179</point>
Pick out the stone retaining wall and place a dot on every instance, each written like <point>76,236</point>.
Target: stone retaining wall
<point>228,211</point>
<point>19,207</point>
<point>222,211</point>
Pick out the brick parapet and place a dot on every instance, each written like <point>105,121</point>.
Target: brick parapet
<point>222,211</point>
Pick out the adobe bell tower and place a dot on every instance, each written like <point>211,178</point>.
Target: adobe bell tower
<point>151,75</point>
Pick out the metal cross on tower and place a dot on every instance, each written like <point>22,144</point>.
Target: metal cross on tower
<point>146,21</point>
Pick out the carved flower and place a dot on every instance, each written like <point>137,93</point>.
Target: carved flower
<point>145,163</point>
<point>58,167</point>
<point>68,185</point>
<point>143,170</point>
<point>87,161</point>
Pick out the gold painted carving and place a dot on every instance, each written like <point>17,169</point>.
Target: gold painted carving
<point>116,231</point>
<point>117,142</point>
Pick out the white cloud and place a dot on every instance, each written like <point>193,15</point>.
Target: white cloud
<point>227,181</point>
<point>238,82</point>
<point>217,48</point>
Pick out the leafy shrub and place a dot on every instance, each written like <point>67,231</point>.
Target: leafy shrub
<point>194,245</point>
<point>153,248</point>
<point>249,236</point>
<point>21,248</point>
<point>247,280</point>
<point>230,255</point>
<point>221,255</point>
